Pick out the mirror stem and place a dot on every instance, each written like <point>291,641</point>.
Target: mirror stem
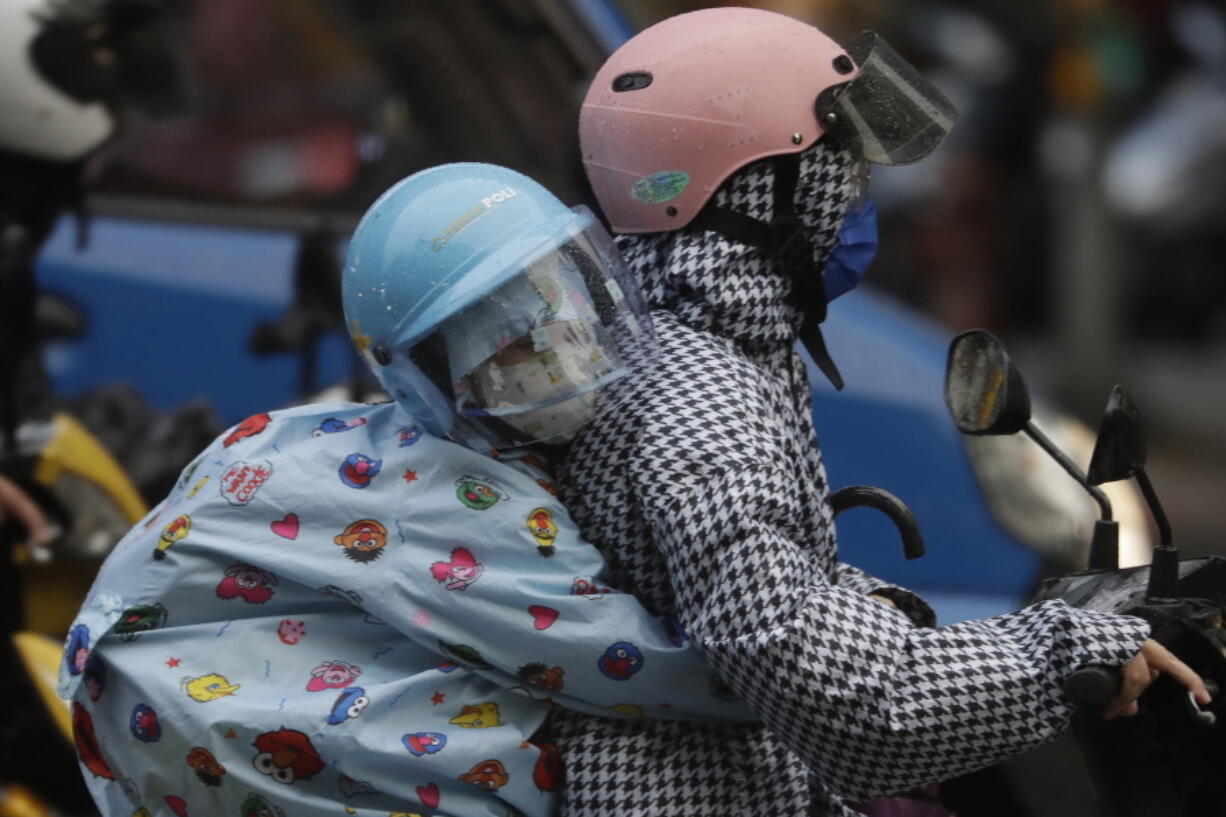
<point>1104,504</point>
<point>1155,507</point>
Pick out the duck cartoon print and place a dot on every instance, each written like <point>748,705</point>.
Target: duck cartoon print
<point>543,529</point>
<point>207,768</point>
<point>357,470</point>
<point>333,675</point>
<point>178,529</point>
<point>255,424</point>
<point>489,775</point>
<point>363,541</point>
<point>478,493</point>
<point>480,716</point>
<point>205,688</point>
<point>460,572</point>
<point>247,582</point>
<point>420,744</point>
<point>286,756</point>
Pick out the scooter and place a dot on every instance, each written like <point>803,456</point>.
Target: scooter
<point>1165,761</point>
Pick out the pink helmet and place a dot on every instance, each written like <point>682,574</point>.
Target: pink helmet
<point>686,103</point>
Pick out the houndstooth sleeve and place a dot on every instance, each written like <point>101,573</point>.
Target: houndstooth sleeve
<point>873,704</point>
<point>910,605</point>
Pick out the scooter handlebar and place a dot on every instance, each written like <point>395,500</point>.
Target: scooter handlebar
<point>1092,686</point>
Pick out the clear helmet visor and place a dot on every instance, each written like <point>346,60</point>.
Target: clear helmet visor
<point>889,114</point>
<point>530,360</point>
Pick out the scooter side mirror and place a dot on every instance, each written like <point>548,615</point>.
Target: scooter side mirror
<point>1120,450</point>
<point>985,392</point>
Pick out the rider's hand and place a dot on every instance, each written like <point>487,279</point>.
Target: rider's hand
<point>1153,660</point>
<point>14,501</point>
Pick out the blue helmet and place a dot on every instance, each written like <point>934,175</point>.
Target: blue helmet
<point>488,309</point>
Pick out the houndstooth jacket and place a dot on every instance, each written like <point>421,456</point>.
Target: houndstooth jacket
<point>704,487</point>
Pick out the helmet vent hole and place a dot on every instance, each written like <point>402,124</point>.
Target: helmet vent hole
<point>381,355</point>
<point>672,211</point>
<point>633,81</point>
<point>843,64</point>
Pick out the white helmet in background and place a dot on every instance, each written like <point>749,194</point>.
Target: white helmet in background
<point>67,67</point>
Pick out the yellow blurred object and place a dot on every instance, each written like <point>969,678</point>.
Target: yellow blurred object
<point>41,658</point>
<point>101,504</point>
<point>73,450</point>
<point>18,801</point>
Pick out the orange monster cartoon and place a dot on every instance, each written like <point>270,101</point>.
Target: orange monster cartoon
<point>488,774</point>
<point>363,540</point>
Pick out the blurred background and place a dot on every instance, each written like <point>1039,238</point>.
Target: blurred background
<point>1078,211</point>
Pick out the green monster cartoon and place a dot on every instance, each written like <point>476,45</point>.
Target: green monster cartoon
<point>476,494</point>
<point>136,620</point>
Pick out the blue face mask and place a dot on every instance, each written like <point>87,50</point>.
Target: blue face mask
<point>856,249</point>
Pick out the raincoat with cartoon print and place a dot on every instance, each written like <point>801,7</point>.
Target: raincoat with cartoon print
<point>332,607</point>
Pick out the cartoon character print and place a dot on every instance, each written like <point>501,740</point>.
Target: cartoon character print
<point>252,584</point>
<point>489,775</point>
<point>547,774</point>
<point>205,688</point>
<point>408,435</point>
<point>537,674</point>
<point>144,724</point>
<point>363,540</point>
<point>424,743</point>
<point>620,661</point>
<point>176,804</point>
<point>139,619</point>
<point>286,755</point>
<point>242,480</point>
<point>256,806</point>
<point>255,424</point>
<point>94,677</point>
<point>333,675</point>
<point>178,528</point>
<point>478,494</point>
<point>291,631</point>
<point>481,716</point>
<point>86,741</point>
<point>349,704</point>
<point>460,572</point>
<point>206,766</point>
<point>334,426</point>
<point>464,654</point>
<point>76,650</point>
<point>357,470</point>
<point>543,529</point>
<point>548,486</point>
<point>587,587</point>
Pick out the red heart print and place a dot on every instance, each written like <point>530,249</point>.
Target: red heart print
<point>543,617</point>
<point>286,528</point>
<point>428,795</point>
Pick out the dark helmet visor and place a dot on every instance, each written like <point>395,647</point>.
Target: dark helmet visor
<point>889,114</point>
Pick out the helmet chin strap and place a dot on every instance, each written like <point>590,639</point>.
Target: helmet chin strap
<point>784,239</point>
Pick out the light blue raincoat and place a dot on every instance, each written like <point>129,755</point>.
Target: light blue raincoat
<point>334,613</point>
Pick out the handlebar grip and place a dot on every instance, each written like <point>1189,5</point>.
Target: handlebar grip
<point>1092,686</point>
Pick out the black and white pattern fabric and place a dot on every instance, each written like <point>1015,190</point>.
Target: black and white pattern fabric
<point>704,487</point>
